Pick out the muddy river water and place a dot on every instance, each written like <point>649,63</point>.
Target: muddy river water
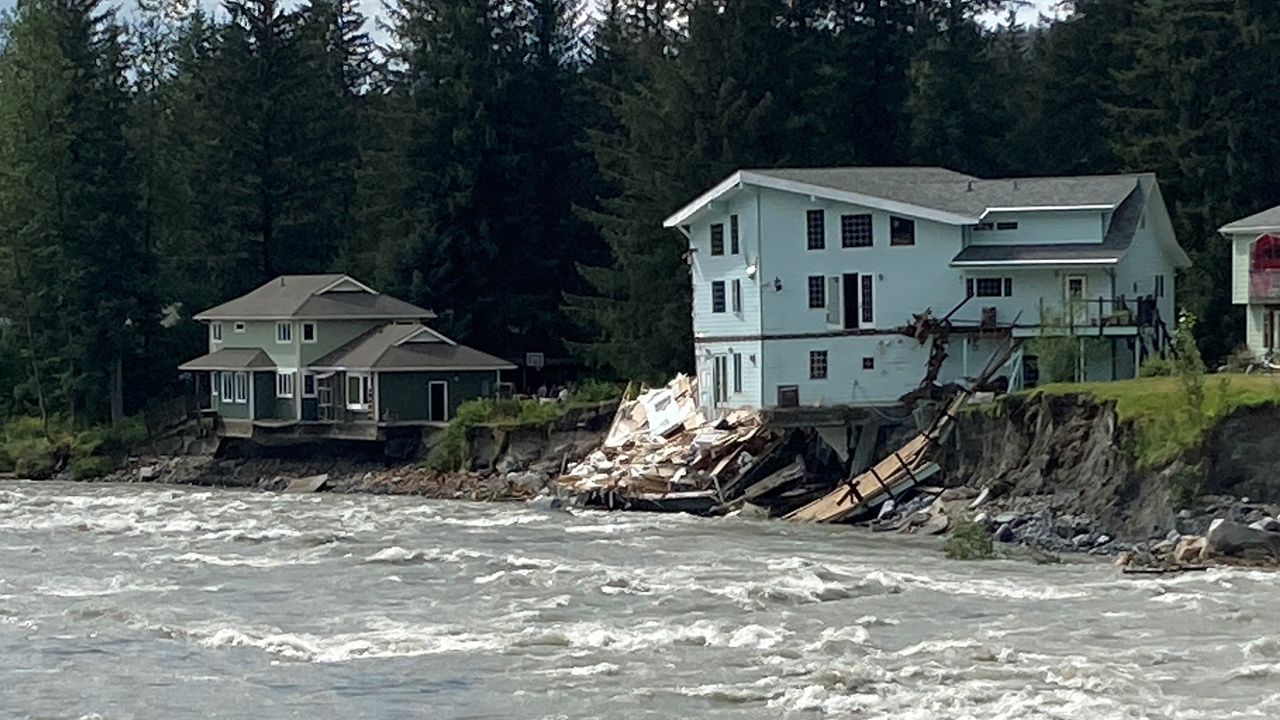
<point>153,602</point>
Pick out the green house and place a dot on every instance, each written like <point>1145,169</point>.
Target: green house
<point>327,355</point>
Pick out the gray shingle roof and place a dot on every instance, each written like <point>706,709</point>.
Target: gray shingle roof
<point>231,359</point>
<point>298,296</point>
<point>950,191</point>
<point>385,348</point>
<point>1124,225</point>
<point>1265,220</point>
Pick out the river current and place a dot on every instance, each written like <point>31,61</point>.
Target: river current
<point>153,602</point>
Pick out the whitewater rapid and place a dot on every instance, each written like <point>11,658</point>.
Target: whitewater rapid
<point>150,602</point>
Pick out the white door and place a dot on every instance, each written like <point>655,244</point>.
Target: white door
<point>1076,290</point>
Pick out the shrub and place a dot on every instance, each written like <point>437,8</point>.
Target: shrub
<point>1057,358</point>
<point>1156,366</point>
<point>969,541</point>
<point>90,467</point>
<point>596,391</point>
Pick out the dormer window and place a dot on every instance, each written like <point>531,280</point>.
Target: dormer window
<point>284,332</point>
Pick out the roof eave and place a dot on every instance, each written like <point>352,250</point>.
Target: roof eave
<point>1052,262</point>
<point>746,177</point>
<point>1100,207</point>
<point>1238,229</point>
<point>209,315</point>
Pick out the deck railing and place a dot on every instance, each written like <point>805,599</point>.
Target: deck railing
<point>1100,312</point>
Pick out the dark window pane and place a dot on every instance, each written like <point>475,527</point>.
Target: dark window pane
<point>1008,287</point>
<point>817,364</point>
<point>990,287</point>
<point>717,239</point>
<point>815,227</point>
<point>902,231</point>
<point>717,296</point>
<point>733,235</point>
<point>1007,226</point>
<point>855,231</point>
<point>868,363</point>
<point>868,311</point>
<point>817,291</point>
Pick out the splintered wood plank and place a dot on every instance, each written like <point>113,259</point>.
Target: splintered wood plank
<point>898,471</point>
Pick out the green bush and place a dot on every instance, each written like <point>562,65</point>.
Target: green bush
<point>595,391</point>
<point>969,541</point>
<point>34,458</point>
<point>451,451</point>
<point>91,467</point>
<point>1156,366</point>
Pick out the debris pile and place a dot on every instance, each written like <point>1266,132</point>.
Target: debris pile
<point>662,454</point>
<point>1226,543</point>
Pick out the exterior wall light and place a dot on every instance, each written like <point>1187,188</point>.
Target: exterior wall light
<point>777,284</point>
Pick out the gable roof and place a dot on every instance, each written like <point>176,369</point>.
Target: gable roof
<point>402,347</point>
<point>931,193</point>
<point>1265,221</point>
<point>315,297</point>
<point>231,359</point>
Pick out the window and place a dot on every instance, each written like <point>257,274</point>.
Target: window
<point>242,387</point>
<point>816,229</point>
<point>902,231</point>
<point>984,227</point>
<point>215,331</point>
<point>855,231</point>
<point>308,332</point>
<point>239,327</point>
<point>817,364</point>
<point>284,384</point>
<point>1159,286</point>
<point>817,292</point>
<point>737,372</point>
<point>717,239</point>
<point>309,385</point>
<point>213,383</point>
<point>868,363</point>
<point>737,296</point>
<point>228,394</point>
<point>989,287</point>
<point>717,296</point>
<point>734,249</point>
<point>359,392</point>
<point>1007,226</point>
<point>868,311</point>
<point>284,332</point>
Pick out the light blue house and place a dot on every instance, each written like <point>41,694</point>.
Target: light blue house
<point>804,280</point>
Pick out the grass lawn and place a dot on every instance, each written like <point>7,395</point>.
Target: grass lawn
<point>1158,407</point>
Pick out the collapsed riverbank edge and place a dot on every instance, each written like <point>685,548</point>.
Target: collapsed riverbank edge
<point>1055,471</point>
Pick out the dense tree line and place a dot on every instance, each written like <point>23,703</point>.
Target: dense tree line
<point>508,164</point>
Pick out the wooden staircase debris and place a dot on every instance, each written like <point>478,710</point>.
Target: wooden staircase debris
<point>902,469</point>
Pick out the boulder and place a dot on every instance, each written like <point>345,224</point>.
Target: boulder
<point>964,492</point>
<point>1004,534</point>
<point>1266,524</point>
<point>147,473</point>
<point>531,481</point>
<point>1188,549</point>
<point>1232,539</point>
<point>307,484</point>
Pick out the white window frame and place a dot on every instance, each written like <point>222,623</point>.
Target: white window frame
<point>284,383</point>
<point>213,384</point>
<point>215,331</point>
<point>228,393</point>
<point>312,392</point>
<point>314,335</point>
<point>284,333</point>
<point>241,387</point>
<point>239,327</point>
<point>365,384</point>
